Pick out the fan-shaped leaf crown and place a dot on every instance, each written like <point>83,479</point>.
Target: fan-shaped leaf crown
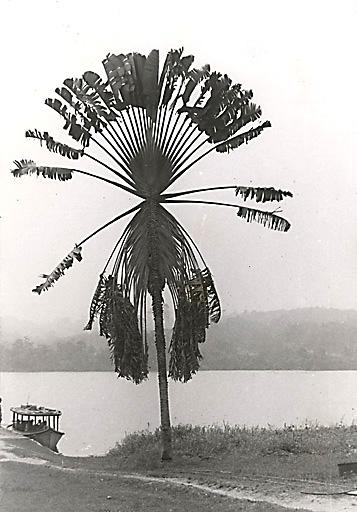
<point>149,124</point>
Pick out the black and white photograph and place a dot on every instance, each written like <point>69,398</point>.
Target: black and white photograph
<point>178,256</point>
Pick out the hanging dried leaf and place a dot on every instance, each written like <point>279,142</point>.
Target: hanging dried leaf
<point>119,324</point>
<point>66,263</point>
<point>198,302</point>
<point>212,296</point>
<point>189,330</point>
<point>97,301</point>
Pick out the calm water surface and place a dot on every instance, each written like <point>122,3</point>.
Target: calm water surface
<point>99,409</point>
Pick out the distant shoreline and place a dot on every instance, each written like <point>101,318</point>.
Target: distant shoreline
<point>202,370</point>
<point>309,339</point>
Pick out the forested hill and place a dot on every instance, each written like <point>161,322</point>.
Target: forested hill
<point>306,339</point>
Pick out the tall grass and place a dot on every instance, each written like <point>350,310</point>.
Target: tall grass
<point>215,441</point>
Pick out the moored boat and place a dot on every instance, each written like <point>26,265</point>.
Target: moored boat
<point>38,423</point>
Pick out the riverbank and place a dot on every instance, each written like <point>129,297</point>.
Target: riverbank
<point>309,451</point>
<point>34,479</point>
<point>134,479</point>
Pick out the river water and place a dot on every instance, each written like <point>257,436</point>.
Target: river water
<point>99,409</point>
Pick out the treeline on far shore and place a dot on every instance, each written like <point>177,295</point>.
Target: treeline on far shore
<point>304,339</point>
<point>69,355</point>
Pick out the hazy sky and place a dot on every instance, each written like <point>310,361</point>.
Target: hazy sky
<point>299,57</point>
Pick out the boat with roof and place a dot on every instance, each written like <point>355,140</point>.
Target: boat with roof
<point>38,423</point>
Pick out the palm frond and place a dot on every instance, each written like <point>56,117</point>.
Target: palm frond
<point>97,302</point>
<point>150,83</point>
<point>207,103</point>
<point>195,76</point>
<point>119,324</point>
<point>120,79</point>
<point>268,219</point>
<point>75,127</point>
<point>54,146</point>
<point>229,121</point>
<point>242,138</point>
<point>66,263</point>
<point>170,75</point>
<point>89,95</point>
<point>262,194</point>
<point>27,167</point>
<point>137,63</point>
<point>214,305</point>
<point>189,330</point>
<point>85,106</point>
<point>94,80</point>
<point>153,227</point>
<point>133,261</point>
<point>198,303</point>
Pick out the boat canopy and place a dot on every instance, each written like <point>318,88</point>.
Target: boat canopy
<point>34,410</point>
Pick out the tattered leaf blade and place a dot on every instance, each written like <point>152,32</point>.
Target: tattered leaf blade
<point>262,194</point>
<point>267,219</point>
<point>55,146</point>
<point>27,167</point>
<point>56,273</point>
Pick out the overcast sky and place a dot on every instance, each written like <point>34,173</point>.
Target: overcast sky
<point>298,56</point>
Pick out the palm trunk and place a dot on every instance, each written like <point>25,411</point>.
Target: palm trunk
<point>157,308</point>
<point>156,285</point>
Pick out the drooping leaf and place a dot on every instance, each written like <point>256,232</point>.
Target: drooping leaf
<point>26,167</point>
<point>198,303</point>
<point>189,330</point>
<point>66,263</point>
<point>97,301</point>
<point>212,296</point>
<point>119,324</point>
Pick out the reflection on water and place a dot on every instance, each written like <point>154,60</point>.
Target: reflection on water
<point>99,409</point>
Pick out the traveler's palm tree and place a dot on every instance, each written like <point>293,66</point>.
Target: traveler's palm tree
<point>148,128</point>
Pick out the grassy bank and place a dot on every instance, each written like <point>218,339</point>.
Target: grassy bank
<point>216,469</point>
<point>309,451</point>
